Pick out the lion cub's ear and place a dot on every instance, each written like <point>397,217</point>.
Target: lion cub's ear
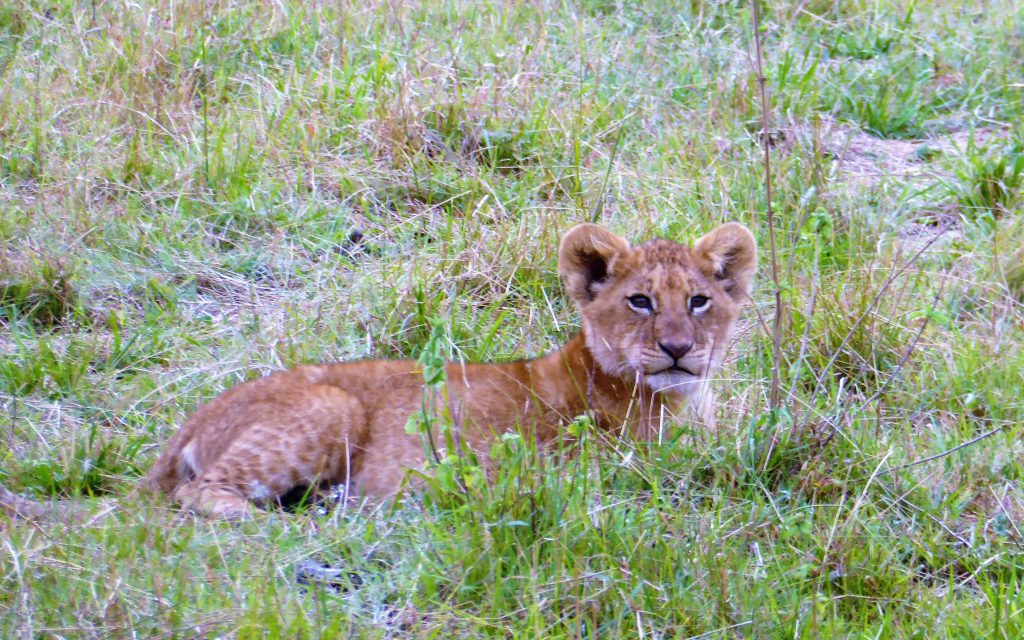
<point>732,254</point>
<point>586,257</point>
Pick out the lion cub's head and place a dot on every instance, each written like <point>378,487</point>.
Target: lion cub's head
<point>660,312</point>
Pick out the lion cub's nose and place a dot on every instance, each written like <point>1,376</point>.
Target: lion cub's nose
<point>676,350</point>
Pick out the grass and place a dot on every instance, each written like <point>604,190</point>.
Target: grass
<point>988,183</point>
<point>195,194</point>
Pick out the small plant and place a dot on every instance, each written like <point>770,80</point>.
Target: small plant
<point>889,103</point>
<point>870,36</point>
<point>452,469</point>
<point>865,41</point>
<point>55,373</point>
<point>988,183</point>
<point>40,291</point>
<point>93,467</point>
<point>454,134</point>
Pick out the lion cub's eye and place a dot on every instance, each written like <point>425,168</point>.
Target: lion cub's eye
<point>640,303</point>
<point>698,303</point>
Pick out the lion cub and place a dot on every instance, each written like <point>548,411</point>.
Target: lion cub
<point>656,318</point>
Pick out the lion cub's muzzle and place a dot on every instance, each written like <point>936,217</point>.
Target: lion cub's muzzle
<point>680,362</point>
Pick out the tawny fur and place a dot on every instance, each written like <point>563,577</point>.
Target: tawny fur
<point>629,366</point>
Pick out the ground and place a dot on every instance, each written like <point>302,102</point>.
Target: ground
<point>197,193</point>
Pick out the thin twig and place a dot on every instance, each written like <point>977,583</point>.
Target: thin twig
<point>721,630</point>
<point>947,452</point>
<point>773,398</point>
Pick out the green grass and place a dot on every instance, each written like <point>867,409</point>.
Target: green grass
<point>195,194</point>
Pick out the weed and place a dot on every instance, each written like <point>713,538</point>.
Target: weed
<point>889,103</point>
<point>92,468</point>
<point>988,182</point>
<point>41,291</point>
